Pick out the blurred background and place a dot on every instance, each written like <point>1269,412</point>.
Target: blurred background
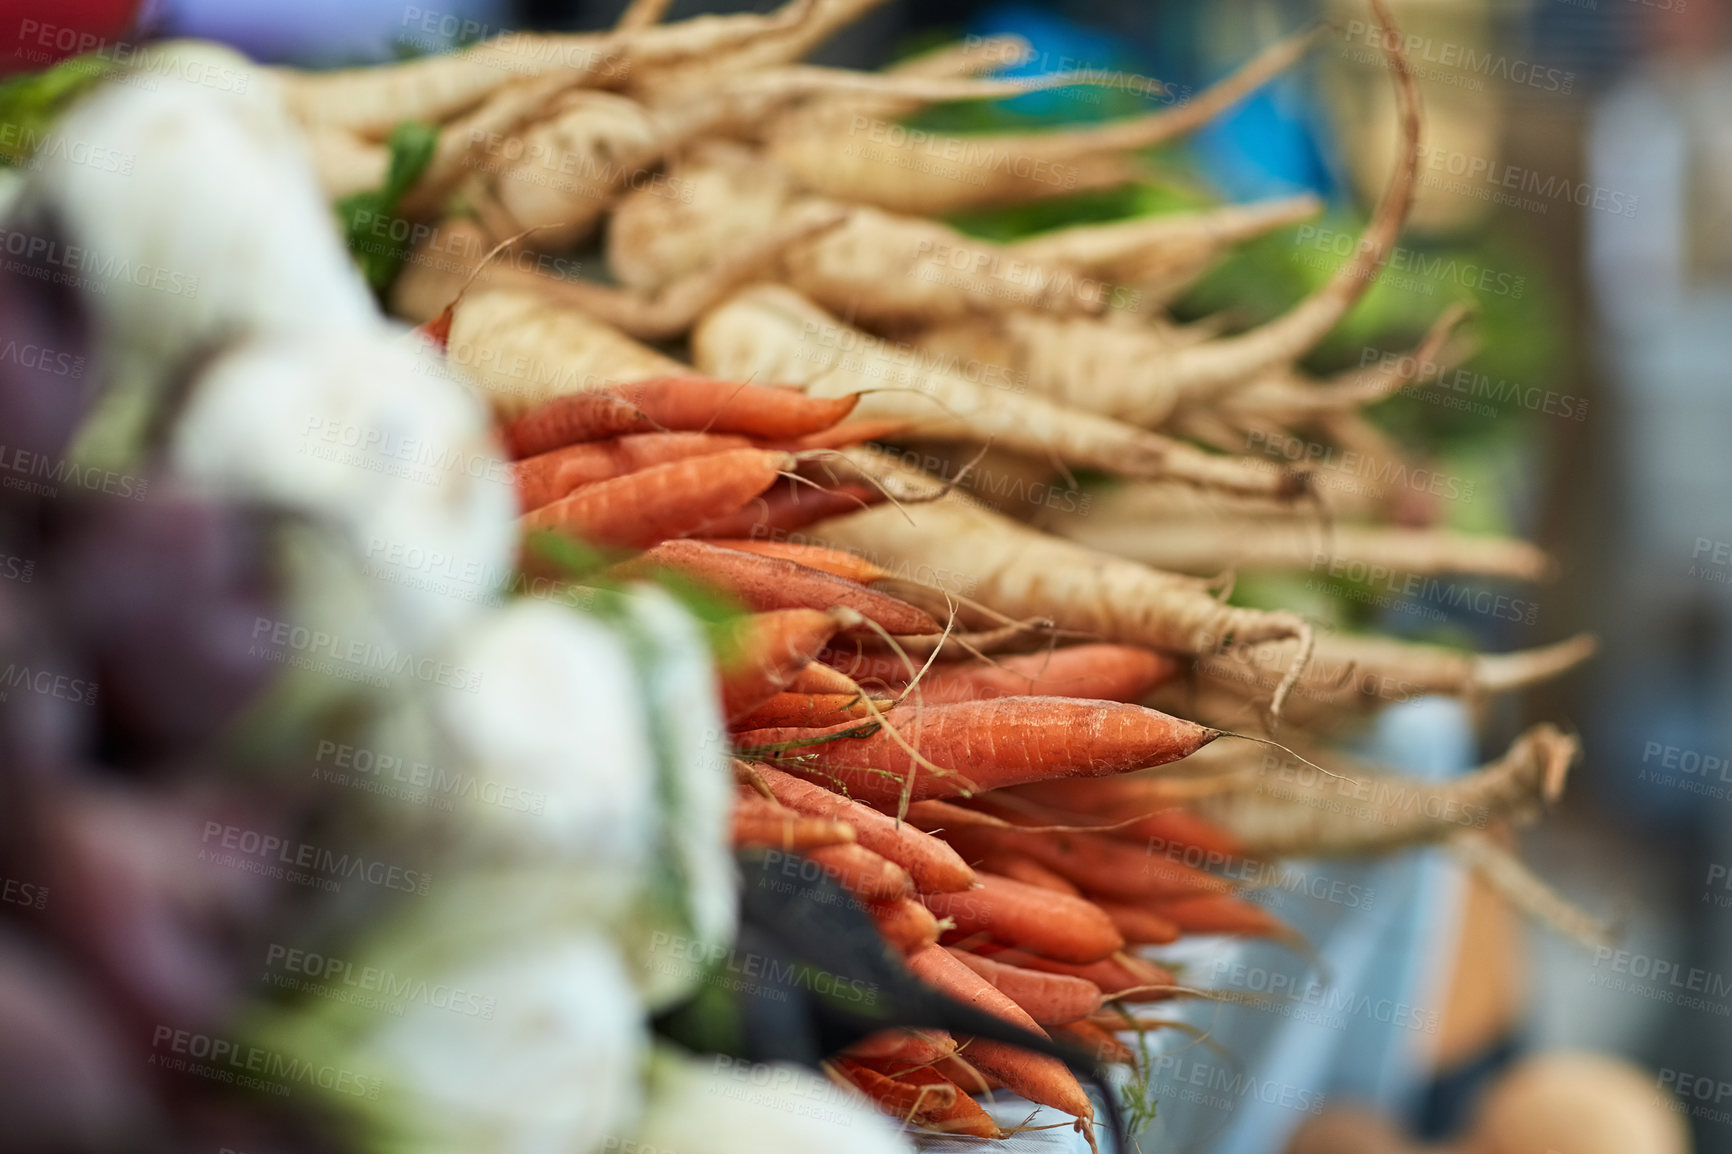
<point>1577,193</point>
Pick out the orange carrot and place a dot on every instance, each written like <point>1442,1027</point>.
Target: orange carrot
<point>905,924</point>
<point>959,1070</point>
<point>1102,1043</point>
<point>1181,827</point>
<point>663,501</point>
<point>756,656</point>
<point>1140,927</point>
<point>889,1050</point>
<point>986,745</point>
<point>805,710</point>
<point>933,865</point>
<point>1101,672</point>
<point>704,405</point>
<point>863,873</point>
<point>785,509</point>
<point>815,678</point>
<point>764,583</point>
<point>943,971</point>
<point>1028,872</point>
<point>759,822</point>
<point>842,435</point>
<point>907,1101</point>
<point>962,1116</point>
<point>1049,923</point>
<point>1112,975</point>
<point>546,477</point>
<point>1223,914</point>
<point>1035,1076</point>
<point>833,561</point>
<point>571,419</point>
<point>1099,865</point>
<point>1050,999</point>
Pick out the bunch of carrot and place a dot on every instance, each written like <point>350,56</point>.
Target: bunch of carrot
<point>944,705</point>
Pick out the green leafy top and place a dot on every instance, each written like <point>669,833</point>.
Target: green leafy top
<point>30,102</point>
<point>411,144</point>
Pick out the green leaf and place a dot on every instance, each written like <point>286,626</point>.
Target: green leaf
<point>368,218</point>
<point>30,103</point>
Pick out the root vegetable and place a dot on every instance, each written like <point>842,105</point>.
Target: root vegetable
<point>757,656</point>
<point>546,477</point>
<point>983,745</point>
<point>654,504</point>
<point>863,873</point>
<point>1053,924</point>
<point>1050,999</point>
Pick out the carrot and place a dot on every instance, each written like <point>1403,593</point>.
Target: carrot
<point>1050,999</point>
<point>573,419</point>
<point>909,1102</point>
<point>663,501</point>
<point>963,1115</point>
<point>699,403</point>
<point>758,655</point>
<point>943,971</point>
<point>891,1050</point>
<point>905,924</point>
<point>1112,975</point>
<point>832,561</point>
<point>783,510</point>
<point>971,1079</point>
<point>805,710</point>
<point>985,745</point>
<point>1140,926</point>
<point>863,873</point>
<point>1056,925</point>
<point>765,583</point>
<point>1028,872</point>
<point>933,865</point>
<point>816,678</point>
<point>842,435</point>
<point>1100,672</point>
<point>762,823</point>
<point>1099,865</point>
<point>1223,914</point>
<point>1035,1076</point>
<point>1102,1043</point>
<point>548,476</point>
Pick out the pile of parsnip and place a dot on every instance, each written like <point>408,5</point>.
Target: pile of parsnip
<point>946,706</point>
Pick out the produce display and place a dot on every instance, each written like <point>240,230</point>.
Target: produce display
<point>724,594</point>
